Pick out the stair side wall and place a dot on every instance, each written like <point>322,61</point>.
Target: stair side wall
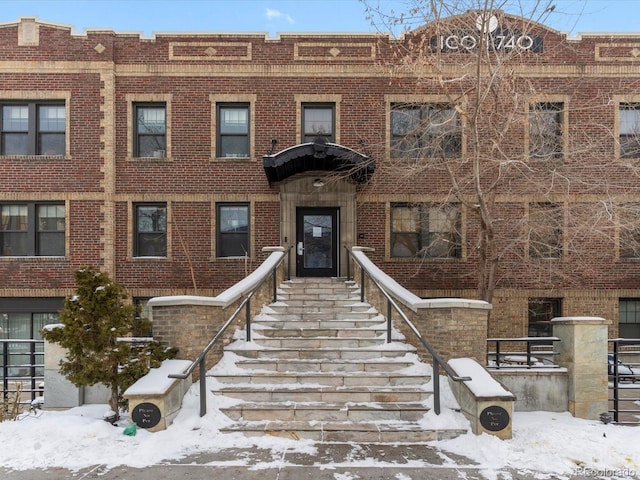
<point>453,331</point>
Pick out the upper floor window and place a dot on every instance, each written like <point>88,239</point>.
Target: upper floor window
<point>233,130</point>
<point>32,229</point>
<point>33,128</point>
<point>150,230</point>
<point>545,130</point>
<point>232,230</point>
<point>318,121</point>
<point>150,130</point>
<point>629,124</point>
<point>629,239</point>
<point>425,131</point>
<point>545,230</point>
<point>423,230</point>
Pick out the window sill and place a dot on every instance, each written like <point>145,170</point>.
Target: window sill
<point>35,157</point>
<point>45,258</point>
<point>231,159</point>
<point>222,259</point>
<point>151,258</point>
<point>425,259</point>
<point>150,159</point>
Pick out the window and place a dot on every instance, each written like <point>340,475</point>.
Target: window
<point>150,230</point>
<point>422,230</point>
<point>318,121</point>
<point>545,234</point>
<point>629,318</point>
<point>425,130</point>
<point>629,240</point>
<point>30,128</point>
<point>232,230</point>
<point>142,326</point>
<point>24,318</point>
<point>233,130</point>
<point>31,229</point>
<point>150,130</point>
<point>545,130</point>
<point>629,121</point>
<point>541,311</point>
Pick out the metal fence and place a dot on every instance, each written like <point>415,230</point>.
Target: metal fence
<point>22,369</point>
<point>521,352</point>
<point>624,380</point>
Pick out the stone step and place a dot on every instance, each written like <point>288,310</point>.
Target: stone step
<point>358,432</point>
<point>319,368</point>
<point>325,412</point>
<point>323,353</point>
<point>310,306</point>
<point>319,316</point>
<point>292,365</point>
<point>345,379</point>
<point>286,333</point>
<point>320,342</point>
<point>298,393</point>
<point>266,321</point>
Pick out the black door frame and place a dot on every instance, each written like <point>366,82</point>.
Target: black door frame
<point>303,271</point>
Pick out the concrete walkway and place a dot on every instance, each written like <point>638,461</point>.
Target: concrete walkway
<point>331,462</point>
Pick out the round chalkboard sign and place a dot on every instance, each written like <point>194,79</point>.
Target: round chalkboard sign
<point>494,418</point>
<point>146,415</point>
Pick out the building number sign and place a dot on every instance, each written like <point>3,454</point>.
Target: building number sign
<point>495,39</point>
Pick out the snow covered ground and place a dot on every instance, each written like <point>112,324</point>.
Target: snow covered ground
<point>548,443</point>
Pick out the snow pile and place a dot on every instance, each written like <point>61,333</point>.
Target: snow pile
<point>550,443</point>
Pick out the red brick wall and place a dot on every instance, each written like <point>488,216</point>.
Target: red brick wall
<point>191,182</point>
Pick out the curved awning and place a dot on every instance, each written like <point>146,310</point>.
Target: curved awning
<point>318,155</point>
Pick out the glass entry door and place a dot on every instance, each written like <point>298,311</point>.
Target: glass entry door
<point>317,242</point>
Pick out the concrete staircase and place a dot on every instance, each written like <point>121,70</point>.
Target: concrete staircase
<point>319,368</point>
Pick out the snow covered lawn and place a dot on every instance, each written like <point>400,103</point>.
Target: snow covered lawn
<point>550,443</point>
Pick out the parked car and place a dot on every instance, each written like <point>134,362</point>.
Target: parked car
<point>625,372</point>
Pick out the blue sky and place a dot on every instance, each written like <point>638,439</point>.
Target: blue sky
<point>273,16</point>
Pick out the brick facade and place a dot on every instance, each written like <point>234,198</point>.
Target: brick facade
<point>100,75</point>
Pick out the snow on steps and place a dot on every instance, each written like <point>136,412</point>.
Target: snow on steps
<point>319,368</point>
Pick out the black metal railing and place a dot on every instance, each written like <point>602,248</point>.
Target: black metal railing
<point>437,360</point>
<point>623,370</point>
<point>539,352</point>
<point>22,369</point>
<point>201,361</point>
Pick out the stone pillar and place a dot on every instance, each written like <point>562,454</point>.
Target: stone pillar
<point>58,391</point>
<point>582,350</point>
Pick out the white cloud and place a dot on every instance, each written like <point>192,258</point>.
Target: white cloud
<point>278,15</point>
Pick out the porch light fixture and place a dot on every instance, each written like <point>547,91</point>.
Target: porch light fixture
<point>318,182</point>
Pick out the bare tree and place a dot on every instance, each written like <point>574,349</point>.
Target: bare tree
<point>492,132</point>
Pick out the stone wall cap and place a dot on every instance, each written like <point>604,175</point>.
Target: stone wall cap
<point>185,300</point>
<point>482,384</point>
<point>157,381</point>
<point>453,303</point>
<point>594,320</point>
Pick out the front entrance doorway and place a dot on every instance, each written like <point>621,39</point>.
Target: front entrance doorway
<point>317,241</point>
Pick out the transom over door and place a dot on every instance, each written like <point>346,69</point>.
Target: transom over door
<point>317,242</point>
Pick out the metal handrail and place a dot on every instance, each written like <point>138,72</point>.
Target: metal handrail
<point>531,361</point>
<point>200,360</point>
<point>392,305</point>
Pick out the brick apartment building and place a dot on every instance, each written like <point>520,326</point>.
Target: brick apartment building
<point>171,162</point>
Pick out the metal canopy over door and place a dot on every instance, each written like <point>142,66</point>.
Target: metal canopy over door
<point>317,242</point>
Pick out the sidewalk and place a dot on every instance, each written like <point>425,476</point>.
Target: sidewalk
<point>331,462</point>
